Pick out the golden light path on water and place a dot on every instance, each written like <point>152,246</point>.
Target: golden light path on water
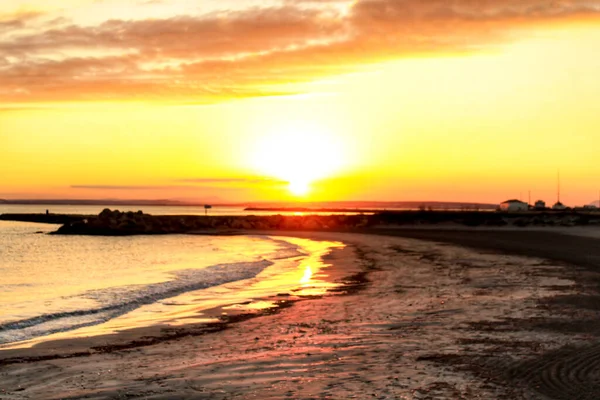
<point>286,279</point>
<point>307,275</point>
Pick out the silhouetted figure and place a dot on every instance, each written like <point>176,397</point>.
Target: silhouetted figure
<point>47,212</point>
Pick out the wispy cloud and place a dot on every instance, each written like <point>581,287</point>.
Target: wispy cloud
<point>235,53</point>
<point>259,181</point>
<point>192,184</point>
<point>20,108</point>
<point>128,187</point>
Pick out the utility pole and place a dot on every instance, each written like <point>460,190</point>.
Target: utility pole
<point>558,186</point>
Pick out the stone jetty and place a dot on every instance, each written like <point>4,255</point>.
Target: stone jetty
<point>117,223</point>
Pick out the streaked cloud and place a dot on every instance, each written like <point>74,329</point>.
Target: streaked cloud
<point>20,108</point>
<point>192,184</point>
<point>259,181</point>
<point>243,53</point>
<point>128,187</point>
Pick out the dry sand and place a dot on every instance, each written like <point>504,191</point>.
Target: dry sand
<point>435,321</point>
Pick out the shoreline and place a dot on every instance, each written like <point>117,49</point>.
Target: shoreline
<point>437,320</point>
<point>252,300</point>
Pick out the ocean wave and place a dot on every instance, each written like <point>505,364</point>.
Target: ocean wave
<point>287,250</point>
<point>118,301</point>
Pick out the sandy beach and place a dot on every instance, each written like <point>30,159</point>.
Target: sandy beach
<point>419,319</point>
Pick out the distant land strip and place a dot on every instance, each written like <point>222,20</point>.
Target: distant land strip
<point>345,206</point>
<point>348,210</point>
<point>57,219</point>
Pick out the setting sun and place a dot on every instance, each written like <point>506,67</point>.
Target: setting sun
<point>298,154</point>
<point>299,188</point>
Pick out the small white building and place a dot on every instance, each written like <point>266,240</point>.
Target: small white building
<point>559,206</point>
<point>514,206</point>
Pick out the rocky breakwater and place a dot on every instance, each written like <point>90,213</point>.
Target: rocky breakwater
<point>117,223</point>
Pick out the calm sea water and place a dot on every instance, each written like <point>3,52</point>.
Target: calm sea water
<point>155,210</point>
<point>54,284</point>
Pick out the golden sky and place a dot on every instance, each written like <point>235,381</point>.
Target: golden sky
<point>455,100</point>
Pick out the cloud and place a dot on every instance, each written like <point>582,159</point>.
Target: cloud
<point>128,187</point>
<point>252,181</point>
<point>17,20</point>
<point>230,34</point>
<point>192,184</point>
<point>9,109</point>
<point>151,2</point>
<point>144,188</point>
<point>241,53</point>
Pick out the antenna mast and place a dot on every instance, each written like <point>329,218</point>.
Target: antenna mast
<point>558,186</point>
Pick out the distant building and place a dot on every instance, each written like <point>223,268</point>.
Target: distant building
<point>540,205</point>
<point>590,207</point>
<point>514,206</point>
<point>559,206</point>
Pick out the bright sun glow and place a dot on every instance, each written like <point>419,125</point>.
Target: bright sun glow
<point>299,154</point>
<point>299,188</point>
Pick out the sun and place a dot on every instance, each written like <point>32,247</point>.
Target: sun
<point>298,153</point>
<point>299,188</point>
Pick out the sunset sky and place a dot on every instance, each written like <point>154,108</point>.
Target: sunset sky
<point>248,100</point>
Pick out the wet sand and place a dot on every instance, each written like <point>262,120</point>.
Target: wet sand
<point>434,321</point>
<point>577,246</point>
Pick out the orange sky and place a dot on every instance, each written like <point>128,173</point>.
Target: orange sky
<point>300,99</point>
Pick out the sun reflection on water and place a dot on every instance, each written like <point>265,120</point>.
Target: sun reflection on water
<point>307,275</point>
<point>288,279</point>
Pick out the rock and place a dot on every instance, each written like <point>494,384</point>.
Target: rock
<point>106,213</point>
<point>310,224</point>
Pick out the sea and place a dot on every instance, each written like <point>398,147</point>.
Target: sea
<point>154,210</point>
<point>69,286</point>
